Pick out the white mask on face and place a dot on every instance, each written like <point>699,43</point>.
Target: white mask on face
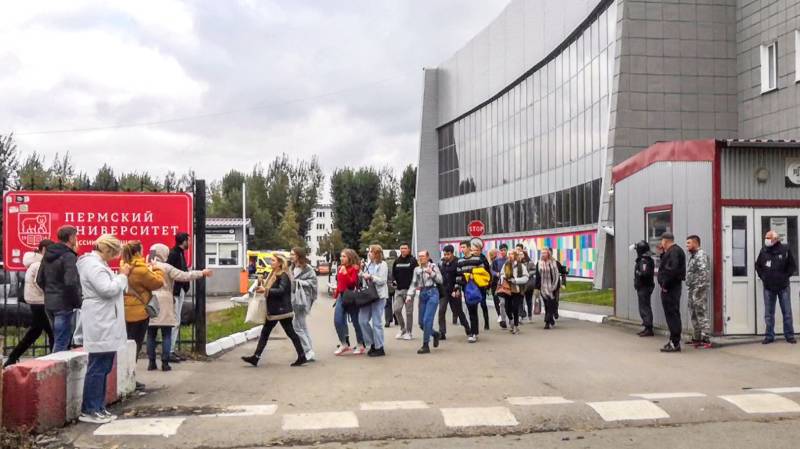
<point>768,242</point>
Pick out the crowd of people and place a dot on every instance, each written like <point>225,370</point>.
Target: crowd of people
<point>81,300</point>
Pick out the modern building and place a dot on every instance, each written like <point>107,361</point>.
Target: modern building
<point>523,125</point>
<point>321,225</point>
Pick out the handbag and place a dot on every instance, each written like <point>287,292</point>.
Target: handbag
<point>256,309</point>
<point>363,295</point>
<point>472,294</point>
<point>151,307</point>
<point>537,307</point>
<point>504,289</point>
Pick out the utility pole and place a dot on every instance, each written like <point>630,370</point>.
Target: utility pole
<point>244,225</point>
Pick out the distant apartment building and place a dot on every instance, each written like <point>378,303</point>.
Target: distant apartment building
<point>321,225</point>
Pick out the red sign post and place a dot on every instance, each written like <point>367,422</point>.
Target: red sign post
<point>31,216</point>
<point>475,228</point>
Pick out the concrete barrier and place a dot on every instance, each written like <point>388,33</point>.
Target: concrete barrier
<point>126,369</point>
<point>213,348</point>
<point>227,343</point>
<point>38,401</point>
<point>239,338</point>
<point>253,333</point>
<point>76,373</point>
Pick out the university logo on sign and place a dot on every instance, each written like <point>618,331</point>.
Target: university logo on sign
<point>33,227</point>
<point>792,172</point>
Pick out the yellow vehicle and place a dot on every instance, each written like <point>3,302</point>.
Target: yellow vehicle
<point>260,262</point>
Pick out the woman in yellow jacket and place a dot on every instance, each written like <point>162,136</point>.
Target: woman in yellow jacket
<point>142,281</point>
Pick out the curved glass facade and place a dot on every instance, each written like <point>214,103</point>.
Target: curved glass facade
<point>554,117</point>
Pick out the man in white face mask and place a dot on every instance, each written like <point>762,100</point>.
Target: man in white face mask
<point>775,265</point>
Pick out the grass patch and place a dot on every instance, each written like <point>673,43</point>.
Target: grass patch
<point>578,286</point>
<point>221,324</point>
<point>11,340</point>
<point>588,296</point>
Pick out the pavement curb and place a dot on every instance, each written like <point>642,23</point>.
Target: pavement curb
<point>583,316</point>
<point>225,344</point>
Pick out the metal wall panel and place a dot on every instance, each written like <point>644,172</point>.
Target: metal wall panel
<point>739,166</point>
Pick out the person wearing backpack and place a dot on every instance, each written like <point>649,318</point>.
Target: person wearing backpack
<point>143,280</point>
<point>472,281</point>
<point>644,283</point>
<point>513,277</point>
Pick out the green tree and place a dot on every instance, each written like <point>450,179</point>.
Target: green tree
<point>9,164</point>
<point>186,181</point>
<point>81,182</point>
<point>138,182</point>
<point>331,245</point>
<point>402,228</point>
<point>387,199</point>
<point>288,236</point>
<point>408,188</point>
<point>355,198</point>
<point>62,172</point>
<point>377,233</point>
<point>104,180</point>
<point>32,174</point>
<point>170,182</point>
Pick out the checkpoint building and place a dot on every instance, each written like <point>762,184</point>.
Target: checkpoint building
<point>522,126</point>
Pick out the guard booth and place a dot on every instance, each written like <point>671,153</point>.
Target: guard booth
<point>730,193</point>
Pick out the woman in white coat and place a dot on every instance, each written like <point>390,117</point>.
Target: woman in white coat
<point>304,293</point>
<point>167,318</point>
<point>103,323</point>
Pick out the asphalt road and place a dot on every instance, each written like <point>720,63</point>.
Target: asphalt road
<point>537,388</point>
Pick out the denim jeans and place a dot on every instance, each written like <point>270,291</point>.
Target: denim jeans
<point>96,381</point>
<point>428,306</point>
<point>62,329</point>
<point>784,299</point>
<point>340,314</point>
<point>370,317</point>
<point>166,342</point>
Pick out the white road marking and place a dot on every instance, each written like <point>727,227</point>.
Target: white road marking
<point>394,405</point>
<point>478,417</point>
<point>780,390</point>
<point>763,403</point>
<point>245,410</point>
<point>165,427</point>
<point>658,396</point>
<point>628,410</point>
<point>538,400</point>
<point>320,421</point>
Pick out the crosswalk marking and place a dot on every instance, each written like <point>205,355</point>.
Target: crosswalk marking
<point>538,400</point>
<point>393,405</point>
<point>165,427</point>
<point>781,390</point>
<point>320,421</point>
<point>478,417</point>
<point>245,410</point>
<point>763,403</point>
<point>658,396</point>
<point>628,410</point>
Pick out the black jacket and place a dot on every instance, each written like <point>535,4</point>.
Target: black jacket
<point>58,278</point>
<point>775,265</point>
<point>403,271</point>
<point>177,259</point>
<point>279,297</point>
<point>643,272</point>
<point>449,274</point>
<point>672,269</point>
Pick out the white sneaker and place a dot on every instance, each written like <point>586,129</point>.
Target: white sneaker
<point>500,319</point>
<point>341,350</point>
<point>472,339</point>
<point>94,418</point>
<point>407,336</point>
<point>311,356</point>
<point>359,350</point>
<point>108,414</point>
<point>400,335</point>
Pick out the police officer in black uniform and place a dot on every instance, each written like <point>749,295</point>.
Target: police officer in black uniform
<point>644,283</point>
<point>671,274</point>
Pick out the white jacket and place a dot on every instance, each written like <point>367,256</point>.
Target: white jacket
<point>33,293</point>
<point>103,309</point>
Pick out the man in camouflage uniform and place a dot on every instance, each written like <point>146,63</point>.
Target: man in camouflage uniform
<point>698,281</point>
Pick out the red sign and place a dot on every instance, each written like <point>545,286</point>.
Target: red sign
<point>30,217</point>
<point>475,228</point>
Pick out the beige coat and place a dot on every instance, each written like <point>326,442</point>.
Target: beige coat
<point>166,315</point>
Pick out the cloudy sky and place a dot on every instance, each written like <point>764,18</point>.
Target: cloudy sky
<point>224,84</point>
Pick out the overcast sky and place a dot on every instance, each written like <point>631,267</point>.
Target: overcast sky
<point>237,82</point>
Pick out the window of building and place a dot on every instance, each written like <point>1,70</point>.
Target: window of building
<point>658,220</point>
<point>222,254</point>
<point>320,214</point>
<point>321,226</point>
<point>739,240</point>
<point>769,67</point>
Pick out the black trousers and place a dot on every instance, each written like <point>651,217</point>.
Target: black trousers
<point>550,310</point>
<point>39,323</point>
<point>645,307</point>
<point>288,327</point>
<point>485,311</point>
<point>458,313</point>
<point>671,300</point>
<point>388,313</point>
<point>529,302</point>
<point>137,331</point>
<point>473,319</point>
<point>513,305</point>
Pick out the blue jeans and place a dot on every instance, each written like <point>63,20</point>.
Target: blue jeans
<point>96,381</point>
<point>428,307</point>
<point>62,329</point>
<point>784,298</point>
<point>373,333</point>
<point>340,314</point>
<point>166,342</point>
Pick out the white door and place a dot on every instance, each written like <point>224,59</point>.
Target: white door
<point>784,222</point>
<point>739,275</point>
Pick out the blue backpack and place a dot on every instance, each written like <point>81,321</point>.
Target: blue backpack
<point>472,294</point>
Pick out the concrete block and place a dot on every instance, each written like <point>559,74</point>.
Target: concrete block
<point>76,374</point>
<point>126,369</point>
<point>227,343</point>
<point>253,333</point>
<point>111,389</point>
<point>35,395</point>
<point>239,338</point>
<point>213,348</point>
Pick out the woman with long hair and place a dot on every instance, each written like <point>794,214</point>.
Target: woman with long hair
<point>370,316</point>
<point>514,277</point>
<point>304,293</point>
<point>143,280</point>
<point>550,280</point>
<point>278,290</point>
<point>347,279</point>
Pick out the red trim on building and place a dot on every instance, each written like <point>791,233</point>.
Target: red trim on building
<point>674,151</point>
<point>660,208</point>
<point>716,232</point>
<point>760,203</point>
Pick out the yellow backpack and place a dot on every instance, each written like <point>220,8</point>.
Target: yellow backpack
<point>481,277</point>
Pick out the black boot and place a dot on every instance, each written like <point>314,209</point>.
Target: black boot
<point>253,359</point>
<point>301,360</point>
<point>424,350</point>
<point>152,365</point>
<point>435,339</point>
<point>165,365</point>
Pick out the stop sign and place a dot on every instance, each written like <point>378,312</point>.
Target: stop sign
<point>475,228</point>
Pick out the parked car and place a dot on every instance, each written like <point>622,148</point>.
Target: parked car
<point>323,268</point>
<point>262,261</point>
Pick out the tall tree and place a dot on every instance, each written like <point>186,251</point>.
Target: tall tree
<point>299,181</point>
<point>62,172</point>
<point>408,188</point>
<point>104,180</point>
<point>81,182</point>
<point>170,182</point>
<point>288,236</point>
<point>402,227</point>
<point>387,199</point>
<point>138,182</point>
<point>9,164</point>
<point>32,174</point>
<point>355,198</point>
<point>331,245</point>
<point>186,181</point>
<point>377,233</point>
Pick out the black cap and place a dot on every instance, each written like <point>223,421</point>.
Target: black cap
<point>448,249</point>
<point>668,236</point>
